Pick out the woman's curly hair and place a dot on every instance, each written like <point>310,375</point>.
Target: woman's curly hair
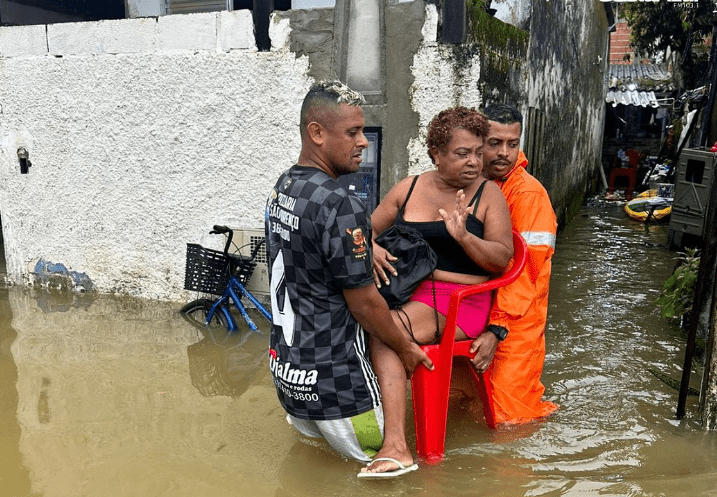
<point>441,126</point>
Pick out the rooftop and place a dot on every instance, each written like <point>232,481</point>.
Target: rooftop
<point>640,77</point>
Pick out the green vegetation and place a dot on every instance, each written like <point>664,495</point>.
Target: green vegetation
<point>678,290</point>
<point>682,27</point>
<point>502,48</point>
<point>495,34</point>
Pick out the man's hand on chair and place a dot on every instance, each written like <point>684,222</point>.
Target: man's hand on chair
<point>484,348</point>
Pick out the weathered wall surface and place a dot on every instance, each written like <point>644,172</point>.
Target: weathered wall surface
<point>407,26</point>
<point>503,54</point>
<point>447,75</point>
<point>443,76</point>
<point>566,84</point>
<point>142,134</point>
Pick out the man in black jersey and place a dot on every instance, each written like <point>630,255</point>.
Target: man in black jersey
<point>323,297</point>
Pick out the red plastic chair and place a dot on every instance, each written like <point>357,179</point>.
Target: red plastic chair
<point>431,389</point>
<point>629,173</point>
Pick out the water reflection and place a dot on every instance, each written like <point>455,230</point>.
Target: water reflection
<point>113,396</point>
<point>225,363</point>
<point>13,473</point>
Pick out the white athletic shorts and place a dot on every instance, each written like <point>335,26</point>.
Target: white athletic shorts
<point>359,437</point>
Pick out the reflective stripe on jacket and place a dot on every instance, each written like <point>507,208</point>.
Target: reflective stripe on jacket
<point>522,306</point>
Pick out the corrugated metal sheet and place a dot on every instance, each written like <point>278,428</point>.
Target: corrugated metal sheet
<point>640,98</point>
<point>644,76</point>
<point>640,71</point>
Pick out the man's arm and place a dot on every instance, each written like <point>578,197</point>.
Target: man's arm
<point>371,312</point>
<point>532,215</point>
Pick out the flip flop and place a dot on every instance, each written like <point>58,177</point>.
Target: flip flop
<point>401,470</point>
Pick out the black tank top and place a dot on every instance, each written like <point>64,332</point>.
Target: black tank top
<point>451,256</point>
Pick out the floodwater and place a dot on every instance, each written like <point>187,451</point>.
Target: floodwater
<point>104,396</point>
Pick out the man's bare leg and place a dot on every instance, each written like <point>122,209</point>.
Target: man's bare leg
<point>393,383</point>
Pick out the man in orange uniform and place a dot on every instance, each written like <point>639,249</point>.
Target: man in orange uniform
<point>516,342</point>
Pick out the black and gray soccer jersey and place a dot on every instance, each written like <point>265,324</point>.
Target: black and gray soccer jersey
<point>317,243</point>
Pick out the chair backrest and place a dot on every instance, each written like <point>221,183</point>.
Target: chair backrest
<point>633,157</point>
<point>520,256</point>
<point>520,253</point>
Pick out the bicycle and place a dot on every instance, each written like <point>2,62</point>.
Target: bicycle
<point>223,274</point>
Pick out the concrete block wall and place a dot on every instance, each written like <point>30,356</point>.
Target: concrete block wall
<point>145,132</point>
<point>141,137</point>
<point>216,31</point>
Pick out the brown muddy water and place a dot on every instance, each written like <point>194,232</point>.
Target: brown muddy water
<point>104,396</point>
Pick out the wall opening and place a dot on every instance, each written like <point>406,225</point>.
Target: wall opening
<point>533,139</point>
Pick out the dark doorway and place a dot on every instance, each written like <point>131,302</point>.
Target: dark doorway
<point>261,11</point>
<point>249,4</point>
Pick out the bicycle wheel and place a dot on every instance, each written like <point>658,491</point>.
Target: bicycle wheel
<point>197,310</point>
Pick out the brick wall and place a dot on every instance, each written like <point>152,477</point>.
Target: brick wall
<point>620,44</point>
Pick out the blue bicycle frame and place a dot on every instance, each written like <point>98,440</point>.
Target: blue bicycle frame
<point>230,294</point>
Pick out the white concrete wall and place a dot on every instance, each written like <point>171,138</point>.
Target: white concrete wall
<point>145,132</point>
<point>515,12</point>
<point>142,134</point>
<point>439,84</point>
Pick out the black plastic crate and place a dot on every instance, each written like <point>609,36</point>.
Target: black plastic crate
<point>208,270</point>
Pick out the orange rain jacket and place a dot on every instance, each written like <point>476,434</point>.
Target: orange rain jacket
<point>522,306</point>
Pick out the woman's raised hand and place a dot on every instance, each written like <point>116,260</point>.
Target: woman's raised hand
<point>456,221</point>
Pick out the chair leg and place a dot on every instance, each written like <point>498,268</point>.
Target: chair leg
<point>485,391</point>
<point>482,384</point>
<point>430,410</point>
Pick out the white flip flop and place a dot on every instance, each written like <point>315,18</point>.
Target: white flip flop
<point>401,470</point>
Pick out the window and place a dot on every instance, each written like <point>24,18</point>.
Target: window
<point>187,6</point>
<point>190,6</point>
<point>311,4</point>
<point>695,171</point>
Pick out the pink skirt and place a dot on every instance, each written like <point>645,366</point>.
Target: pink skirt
<point>473,312</point>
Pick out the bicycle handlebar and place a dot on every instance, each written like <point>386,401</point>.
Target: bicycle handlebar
<point>218,229</point>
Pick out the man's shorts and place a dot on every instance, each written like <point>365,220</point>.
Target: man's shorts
<point>359,437</point>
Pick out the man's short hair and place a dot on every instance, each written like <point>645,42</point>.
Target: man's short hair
<point>503,114</point>
<point>327,95</point>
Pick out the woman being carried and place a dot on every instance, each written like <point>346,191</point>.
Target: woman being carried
<point>465,218</point>
<point>472,238</point>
